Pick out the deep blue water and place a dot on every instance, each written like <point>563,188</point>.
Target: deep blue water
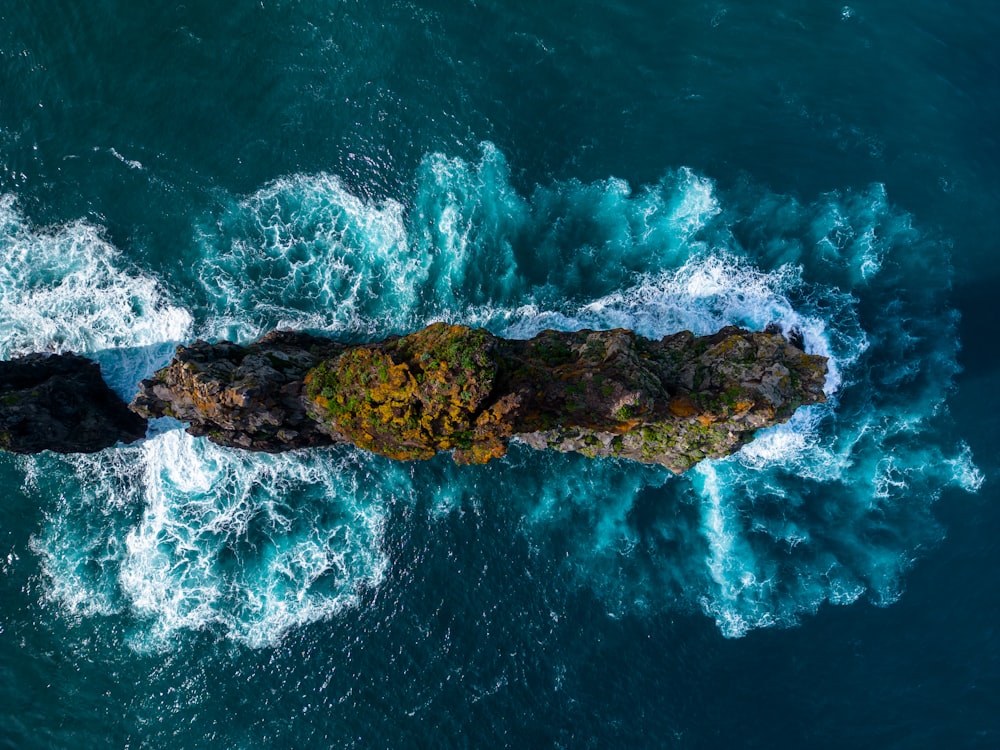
<point>216,170</point>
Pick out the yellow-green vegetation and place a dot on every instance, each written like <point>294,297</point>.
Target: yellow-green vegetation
<point>414,396</point>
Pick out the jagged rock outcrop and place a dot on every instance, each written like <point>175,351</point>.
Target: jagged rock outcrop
<point>60,402</point>
<point>242,396</point>
<point>447,387</point>
<point>681,399</point>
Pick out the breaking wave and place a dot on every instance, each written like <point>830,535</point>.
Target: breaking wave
<point>68,289</point>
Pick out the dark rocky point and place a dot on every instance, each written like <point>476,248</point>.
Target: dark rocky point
<point>61,403</point>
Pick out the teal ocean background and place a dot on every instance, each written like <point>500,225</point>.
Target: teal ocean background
<point>170,171</point>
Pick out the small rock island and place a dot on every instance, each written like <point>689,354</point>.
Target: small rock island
<point>453,388</point>
<point>447,387</point>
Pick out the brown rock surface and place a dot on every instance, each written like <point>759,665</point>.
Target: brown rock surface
<point>241,396</point>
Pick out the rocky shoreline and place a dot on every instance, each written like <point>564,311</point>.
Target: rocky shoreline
<point>447,387</point>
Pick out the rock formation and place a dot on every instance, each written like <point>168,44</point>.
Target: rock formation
<point>243,396</point>
<point>61,403</point>
<point>448,387</point>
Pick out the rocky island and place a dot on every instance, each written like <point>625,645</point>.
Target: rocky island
<point>672,402</point>
<point>452,388</point>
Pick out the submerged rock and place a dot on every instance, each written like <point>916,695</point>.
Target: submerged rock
<point>601,393</point>
<point>61,403</point>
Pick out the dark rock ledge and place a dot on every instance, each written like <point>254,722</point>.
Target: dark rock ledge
<point>61,403</point>
<point>445,388</point>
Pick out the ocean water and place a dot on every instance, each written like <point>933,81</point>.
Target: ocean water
<point>362,169</point>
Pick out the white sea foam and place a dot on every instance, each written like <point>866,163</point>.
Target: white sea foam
<point>81,544</point>
<point>965,473</point>
<point>68,289</point>
<point>190,536</point>
<point>256,544</point>
<point>785,443</point>
<point>306,253</point>
<point>706,292</point>
<point>130,163</point>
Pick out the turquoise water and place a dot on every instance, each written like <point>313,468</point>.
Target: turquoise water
<point>365,169</point>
